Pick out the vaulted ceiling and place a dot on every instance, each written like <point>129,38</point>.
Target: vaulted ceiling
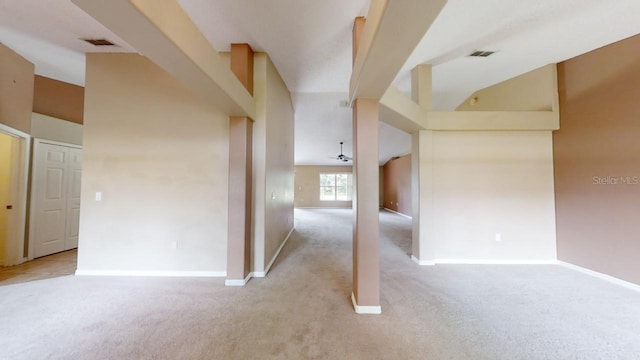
<point>310,44</point>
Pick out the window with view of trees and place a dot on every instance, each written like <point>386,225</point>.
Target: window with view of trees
<point>335,187</point>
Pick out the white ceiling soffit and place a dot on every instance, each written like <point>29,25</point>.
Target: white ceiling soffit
<point>527,34</point>
<point>308,41</point>
<point>48,33</point>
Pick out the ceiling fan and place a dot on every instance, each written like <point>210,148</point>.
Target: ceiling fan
<point>342,157</point>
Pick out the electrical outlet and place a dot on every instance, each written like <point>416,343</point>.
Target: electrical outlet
<point>498,237</point>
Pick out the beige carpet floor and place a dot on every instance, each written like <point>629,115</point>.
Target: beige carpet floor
<point>301,310</point>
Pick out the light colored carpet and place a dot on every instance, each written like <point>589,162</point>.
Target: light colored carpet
<point>302,310</point>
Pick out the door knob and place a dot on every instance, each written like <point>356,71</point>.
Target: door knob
<point>9,207</point>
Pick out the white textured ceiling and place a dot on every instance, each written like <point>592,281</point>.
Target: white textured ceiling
<point>308,41</point>
<point>48,33</point>
<point>310,44</point>
<point>323,121</point>
<point>527,34</point>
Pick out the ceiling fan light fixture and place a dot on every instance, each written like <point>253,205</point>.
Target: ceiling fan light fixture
<point>342,157</point>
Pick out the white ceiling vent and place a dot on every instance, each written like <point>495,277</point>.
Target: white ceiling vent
<point>482,53</point>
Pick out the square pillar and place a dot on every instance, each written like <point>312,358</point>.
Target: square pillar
<point>366,260</point>
<point>239,222</point>
<point>423,238</point>
<point>423,244</point>
<point>240,176</point>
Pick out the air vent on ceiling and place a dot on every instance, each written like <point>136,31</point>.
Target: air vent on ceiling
<point>481,53</point>
<point>99,42</point>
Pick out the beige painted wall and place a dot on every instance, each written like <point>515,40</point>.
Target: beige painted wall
<point>279,162</point>
<point>307,186</point>
<point>533,91</point>
<point>597,161</point>
<point>58,99</point>
<point>50,128</point>
<point>16,90</point>
<point>5,179</point>
<point>272,162</point>
<point>493,182</point>
<point>159,155</point>
<point>397,185</point>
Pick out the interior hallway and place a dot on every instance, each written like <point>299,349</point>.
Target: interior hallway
<point>302,310</point>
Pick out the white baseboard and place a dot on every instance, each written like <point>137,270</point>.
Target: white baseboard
<point>398,213</point>
<point>365,310</point>
<point>496,262</point>
<point>261,274</point>
<point>151,273</point>
<point>609,278</point>
<point>324,207</point>
<point>242,282</point>
<point>482,262</point>
<point>422,262</point>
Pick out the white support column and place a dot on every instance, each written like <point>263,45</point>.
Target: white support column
<point>423,241</point>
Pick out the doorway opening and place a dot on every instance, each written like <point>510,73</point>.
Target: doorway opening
<point>14,167</point>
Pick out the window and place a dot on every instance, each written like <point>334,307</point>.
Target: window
<point>335,187</point>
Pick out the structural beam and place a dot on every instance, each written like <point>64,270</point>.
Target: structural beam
<point>242,64</point>
<point>392,31</point>
<point>422,86</point>
<point>493,120</point>
<point>399,111</point>
<point>164,33</point>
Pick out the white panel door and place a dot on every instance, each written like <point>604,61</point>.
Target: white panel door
<point>50,185</point>
<point>55,198</point>
<point>73,198</point>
